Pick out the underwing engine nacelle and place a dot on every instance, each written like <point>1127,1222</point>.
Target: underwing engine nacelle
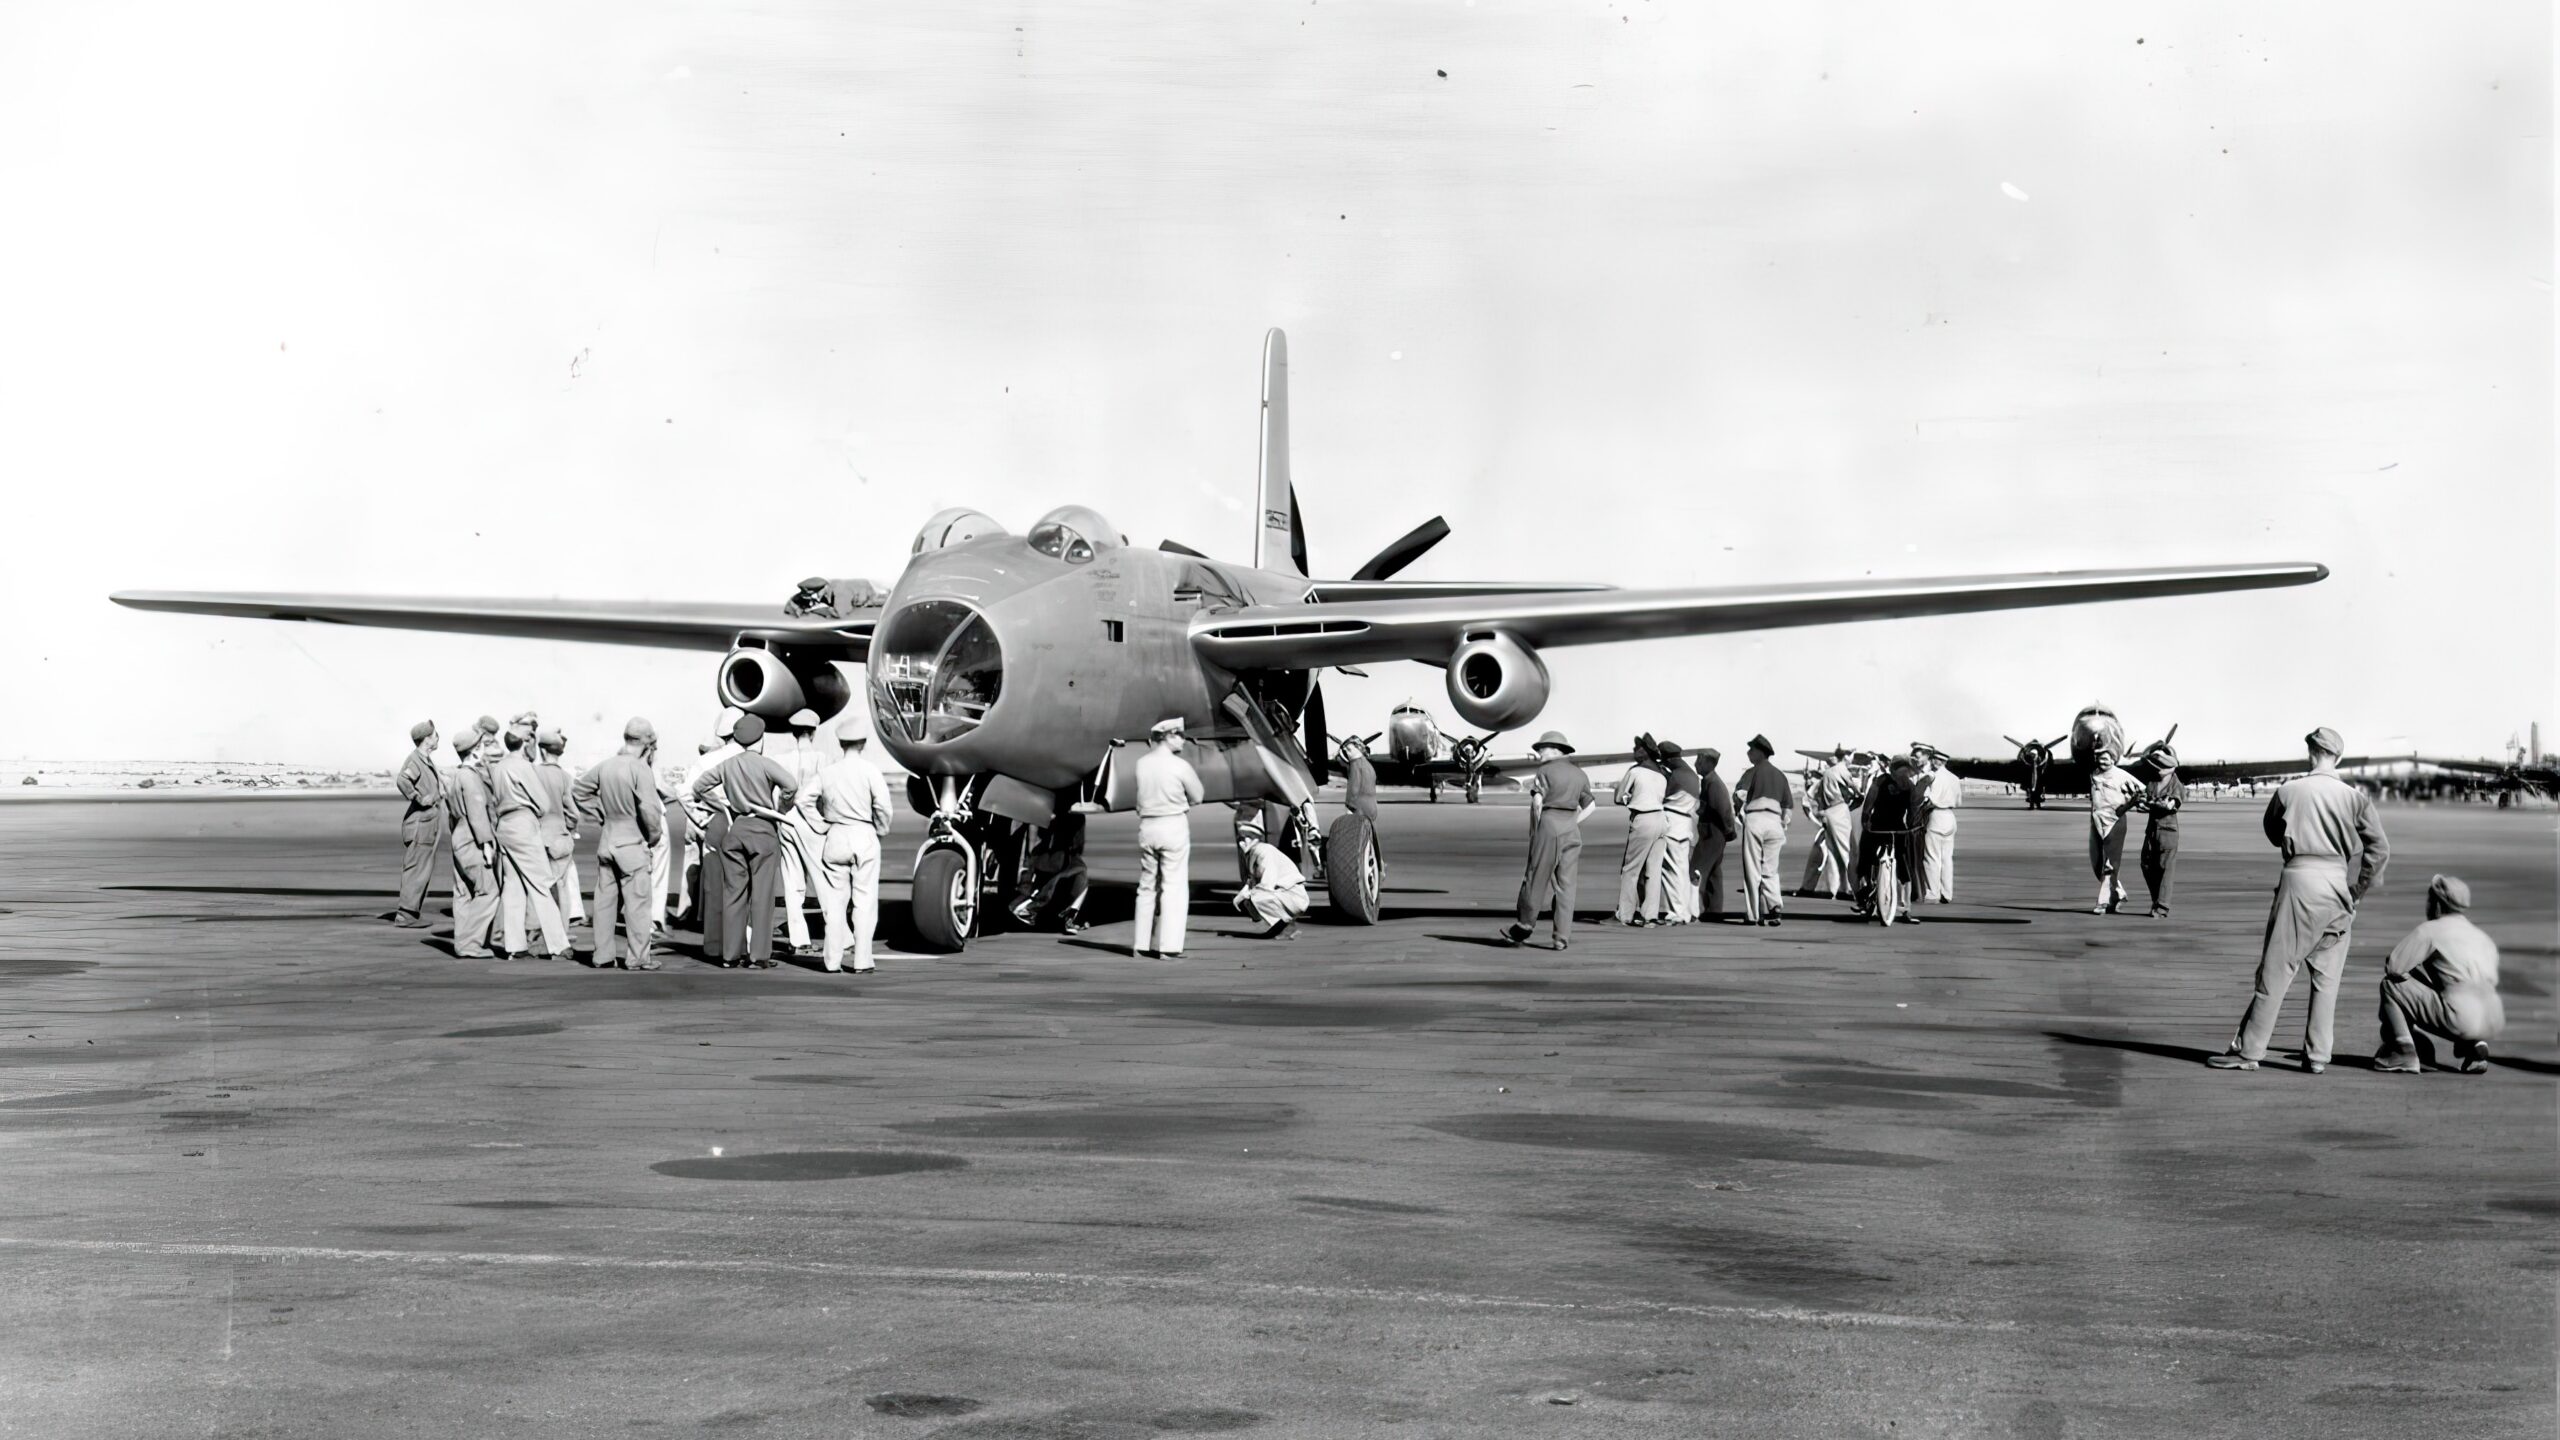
<point>773,684</point>
<point>1495,682</point>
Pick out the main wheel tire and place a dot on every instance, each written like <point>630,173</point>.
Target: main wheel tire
<point>944,897</point>
<point>1351,871</point>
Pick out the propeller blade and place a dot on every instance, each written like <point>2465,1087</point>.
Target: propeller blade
<point>1178,548</point>
<point>1319,759</point>
<point>2059,741</point>
<point>1405,550</point>
<point>2014,742</point>
<point>1353,670</point>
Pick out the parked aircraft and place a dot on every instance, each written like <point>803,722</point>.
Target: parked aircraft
<point>1420,754</point>
<point>1008,673</point>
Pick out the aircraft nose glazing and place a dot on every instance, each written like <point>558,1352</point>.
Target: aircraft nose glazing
<point>937,670</point>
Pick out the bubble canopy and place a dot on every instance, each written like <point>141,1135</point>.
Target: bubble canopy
<point>956,526</point>
<point>936,670</point>
<point>1075,534</point>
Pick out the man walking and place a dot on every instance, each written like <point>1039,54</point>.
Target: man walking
<point>2112,792</point>
<point>472,817</point>
<point>1941,795</point>
<point>1673,879</point>
<point>753,792</point>
<point>621,796</point>
<point>2161,802</point>
<point>422,823</point>
<point>2441,979</point>
<point>1767,800</point>
<point>1642,790</point>
<point>524,865</point>
<point>1167,789</point>
<point>1560,797</point>
<point>1716,829</point>
<point>847,806</point>
<point>1275,889</point>
<point>2334,850</point>
<point>560,828</point>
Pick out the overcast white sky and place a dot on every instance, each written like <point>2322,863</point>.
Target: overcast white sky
<point>686,301</point>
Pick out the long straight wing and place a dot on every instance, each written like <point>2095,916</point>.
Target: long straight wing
<point>666,624</point>
<point>1359,631</point>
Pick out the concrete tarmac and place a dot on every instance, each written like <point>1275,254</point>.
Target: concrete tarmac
<point>277,1169</point>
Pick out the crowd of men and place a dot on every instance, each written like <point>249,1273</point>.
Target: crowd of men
<point>767,830</point>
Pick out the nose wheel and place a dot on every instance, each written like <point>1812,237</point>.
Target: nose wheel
<point>945,899</point>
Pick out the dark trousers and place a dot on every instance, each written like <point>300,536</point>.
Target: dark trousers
<point>2159,859</point>
<point>1708,865</point>
<point>751,872</point>
<point>715,887</point>
<point>420,832</point>
<point>1555,866</point>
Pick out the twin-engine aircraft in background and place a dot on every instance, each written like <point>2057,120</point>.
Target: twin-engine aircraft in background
<point>1007,672</point>
<point>1420,755</point>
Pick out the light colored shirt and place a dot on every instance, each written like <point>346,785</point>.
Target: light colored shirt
<point>1642,789</point>
<point>695,809</point>
<point>1266,868</point>
<point>1559,784</point>
<point>1167,785</point>
<point>468,801</point>
<point>518,788</point>
<point>560,821</point>
<point>1944,794</point>
<point>2110,791</point>
<point>1839,786</point>
<point>852,791</point>
<point>624,800</point>
<point>419,782</point>
<point>2457,959</point>
<point>2319,816</point>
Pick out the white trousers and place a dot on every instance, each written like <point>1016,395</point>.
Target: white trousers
<point>1164,883</point>
<point>1938,865</point>
<point>1833,862</point>
<point>1272,906</point>
<point>804,874</point>
<point>851,893</point>
<point>1764,838</point>
<point>1672,881</point>
<point>524,878</point>
<point>659,859</point>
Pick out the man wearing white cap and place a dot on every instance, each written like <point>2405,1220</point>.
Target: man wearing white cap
<point>1275,889</point>
<point>1560,798</point>
<point>711,826</point>
<point>2441,979</point>
<point>847,806</point>
<point>422,825</point>
<point>802,870</point>
<point>621,796</point>
<point>1167,789</point>
<point>2326,829</point>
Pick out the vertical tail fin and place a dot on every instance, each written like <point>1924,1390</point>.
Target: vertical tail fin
<point>1278,540</point>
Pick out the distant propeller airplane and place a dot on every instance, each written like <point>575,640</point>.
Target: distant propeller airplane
<point>1419,754</point>
<point>1006,673</point>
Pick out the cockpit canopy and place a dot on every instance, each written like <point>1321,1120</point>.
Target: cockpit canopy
<point>1075,534</point>
<point>956,526</point>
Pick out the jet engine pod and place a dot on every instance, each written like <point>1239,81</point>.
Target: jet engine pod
<point>1495,682</point>
<point>773,686</point>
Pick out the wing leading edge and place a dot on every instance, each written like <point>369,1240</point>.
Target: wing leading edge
<point>665,624</point>
<point>1353,632</point>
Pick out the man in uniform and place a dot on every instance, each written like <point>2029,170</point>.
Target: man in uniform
<point>1642,790</point>
<point>2441,979</point>
<point>1167,789</point>
<point>847,804</point>
<point>807,600</point>
<point>1889,842</point>
<point>803,872</point>
<point>2112,792</point>
<point>711,826</point>
<point>2334,851</point>
<point>1716,829</point>
<point>753,792</point>
<point>621,796</point>
<point>1275,889</point>
<point>1560,797</point>
<point>1680,805</point>
<point>474,823</point>
<point>1943,792</point>
<point>1766,800</point>
<point>1833,863</point>
<point>422,825</point>
<point>2161,802</point>
<point>524,865</point>
<point>1053,884</point>
<point>560,828</point>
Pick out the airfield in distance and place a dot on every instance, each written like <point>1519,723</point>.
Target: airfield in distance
<point>278,1169</point>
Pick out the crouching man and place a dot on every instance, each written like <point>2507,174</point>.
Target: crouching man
<point>2441,979</point>
<point>1275,890</point>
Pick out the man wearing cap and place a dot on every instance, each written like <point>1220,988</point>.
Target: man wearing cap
<point>621,796</point>
<point>1716,829</point>
<point>1889,842</point>
<point>1275,889</point>
<point>474,823</point>
<point>1836,797</point>
<point>560,827</point>
<point>422,825</point>
<point>2441,979</point>
<point>1941,793</point>
<point>711,827</point>
<point>524,864</point>
<point>1675,880</point>
<point>2112,793</point>
<point>847,806</point>
<point>1167,789</point>
<point>2161,801</point>
<point>753,792</point>
<point>1766,800</point>
<point>803,872</point>
<point>1642,790</point>
<point>1560,797</point>
<point>809,599</point>
<point>2334,851</point>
